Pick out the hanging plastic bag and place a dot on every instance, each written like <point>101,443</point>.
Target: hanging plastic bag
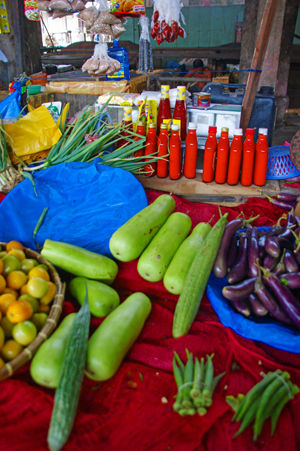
<point>33,133</point>
<point>100,62</point>
<point>128,7</point>
<point>145,49</point>
<point>167,20</point>
<point>31,10</point>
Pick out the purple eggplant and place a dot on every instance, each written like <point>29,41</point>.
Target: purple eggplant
<point>279,203</point>
<point>270,262</point>
<point>220,266</point>
<point>241,307</point>
<point>256,306</point>
<point>239,270</point>
<point>292,280</point>
<point>233,251</point>
<point>253,253</point>
<point>270,303</point>
<point>262,238</point>
<point>290,262</point>
<point>272,246</point>
<point>287,197</point>
<point>285,297</point>
<point>240,290</point>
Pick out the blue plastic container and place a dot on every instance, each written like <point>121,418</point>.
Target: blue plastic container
<point>120,54</point>
<point>264,108</point>
<point>280,165</point>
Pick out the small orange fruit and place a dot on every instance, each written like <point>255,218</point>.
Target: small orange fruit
<point>16,279</point>
<point>11,291</point>
<point>2,337</point>
<point>11,349</point>
<point>2,363</point>
<point>2,283</point>
<point>39,271</point>
<point>37,287</point>
<point>44,308</point>
<point>19,311</point>
<point>13,245</point>
<point>7,326</point>
<point>17,253</point>
<point>49,296</point>
<point>6,300</point>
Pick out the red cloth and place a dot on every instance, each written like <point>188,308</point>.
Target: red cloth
<point>133,410</point>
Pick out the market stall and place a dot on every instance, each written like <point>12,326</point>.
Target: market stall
<point>149,261</point>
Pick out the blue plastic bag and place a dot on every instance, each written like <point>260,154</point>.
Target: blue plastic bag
<point>265,330</point>
<point>86,203</point>
<point>10,107</point>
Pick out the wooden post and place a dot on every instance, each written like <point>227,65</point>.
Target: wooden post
<point>257,60</point>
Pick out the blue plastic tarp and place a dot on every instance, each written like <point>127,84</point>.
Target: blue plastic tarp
<point>86,203</point>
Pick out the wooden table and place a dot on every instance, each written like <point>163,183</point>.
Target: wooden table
<point>198,191</point>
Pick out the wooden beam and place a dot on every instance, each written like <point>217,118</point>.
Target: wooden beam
<point>18,27</point>
<point>257,60</point>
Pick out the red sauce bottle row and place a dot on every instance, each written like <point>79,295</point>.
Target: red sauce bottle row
<point>241,161</point>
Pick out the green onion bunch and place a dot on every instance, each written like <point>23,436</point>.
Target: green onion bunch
<point>73,146</point>
<point>195,384</point>
<point>265,400</point>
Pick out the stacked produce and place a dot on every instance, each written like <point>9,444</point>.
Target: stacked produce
<point>262,267</point>
<point>195,384</point>
<point>26,294</point>
<point>265,400</point>
<point>102,22</point>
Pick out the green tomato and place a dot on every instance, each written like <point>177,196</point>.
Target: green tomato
<point>37,287</point>
<point>7,326</point>
<point>10,263</point>
<point>27,264</point>
<point>39,319</point>
<point>24,333</point>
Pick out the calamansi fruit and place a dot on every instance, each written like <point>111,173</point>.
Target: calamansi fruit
<point>13,244</point>
<point>27,264</point>
<point>39,271</point>
<point>11,263</point>
<point>24,333</point>
<point>16,279</point>
<point>11,349</point>
<point>19,311</point>
<point>37,287</point>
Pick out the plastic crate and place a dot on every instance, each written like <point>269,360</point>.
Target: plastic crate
<point>280,165</point>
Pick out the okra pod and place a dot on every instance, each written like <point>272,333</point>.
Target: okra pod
<point>278,409</point>
<point>208,382</point>
<point>248,417</point>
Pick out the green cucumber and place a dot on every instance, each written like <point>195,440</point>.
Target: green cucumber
<point>114,337</point>
<point>46,364</point>
<point>79,261</point>
<point>196,280</point>
<point>155,259</point>
<point>102,298</point>
<point>182,260</point>
<point>128,242</point>
<point>69,387</point>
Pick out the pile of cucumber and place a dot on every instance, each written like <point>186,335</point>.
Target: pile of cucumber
<point>159,239</point>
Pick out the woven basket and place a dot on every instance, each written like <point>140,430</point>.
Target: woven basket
<point>55,311</point>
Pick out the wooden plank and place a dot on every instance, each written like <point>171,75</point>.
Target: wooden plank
<point>198,191</point>
<point>257,60</point>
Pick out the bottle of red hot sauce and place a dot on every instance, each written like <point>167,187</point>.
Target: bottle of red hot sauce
<point>175,153</point>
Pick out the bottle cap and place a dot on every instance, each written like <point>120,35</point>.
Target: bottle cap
<point>212,129</point>
<point>175,127</point>
<point>263,131</point>
<point>165,87</point>
<point>225,129</point>
<point>250,131</point>
<point>164,126</point>
<point>192,126</point>
<point>151,125</point>
<point>140,124</point>
<point>238,132</point>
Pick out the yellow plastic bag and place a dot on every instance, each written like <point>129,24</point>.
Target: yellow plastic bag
<point>33,133</point>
